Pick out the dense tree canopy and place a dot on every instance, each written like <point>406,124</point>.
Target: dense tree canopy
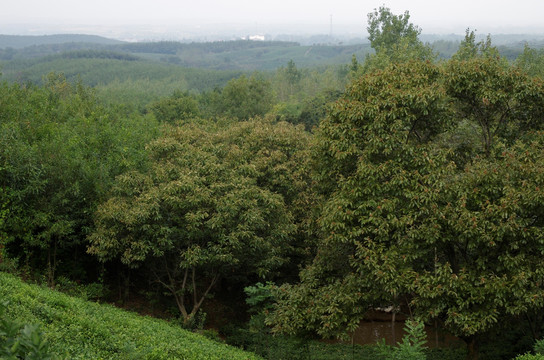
<point>214,202</point>
<point>178,107</point>
<point>60,151</point>
<point>406,224</point>
<point>417,187</point>
<point>246,97</point>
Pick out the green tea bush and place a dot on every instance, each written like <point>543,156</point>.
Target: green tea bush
<point>91,291</point>
<point>530,357</point>
<point>27,342</point>
<point>85,330</point>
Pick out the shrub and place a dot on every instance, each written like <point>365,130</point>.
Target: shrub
<point>539,347</point>
<point>86,330</point>
<point>530,357</point>
<point>28,343</point>
<point>539,350</point>
<point>412,345</point>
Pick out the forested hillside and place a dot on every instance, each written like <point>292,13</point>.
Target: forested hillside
<point>271,209</point>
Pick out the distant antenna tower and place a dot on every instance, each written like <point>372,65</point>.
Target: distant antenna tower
<point>330,29</point>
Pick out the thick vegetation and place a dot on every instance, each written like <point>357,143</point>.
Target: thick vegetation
<point>216,201</point>
<point>77,329</point>
<point>399,181</point>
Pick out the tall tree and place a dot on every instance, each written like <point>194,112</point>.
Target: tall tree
<point>531,61</point>
<point>371,156</point>
<point>394,39</point>
<point>499,98</point>
<point>385,29</point>
<point>404,225</point>
<point>469,48</point>
<point>214,203</point>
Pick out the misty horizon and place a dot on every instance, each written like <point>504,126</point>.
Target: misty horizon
<point>225,31</point>
<point>177,20</point>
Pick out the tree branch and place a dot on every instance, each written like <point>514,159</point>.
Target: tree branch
<point>197,305</point>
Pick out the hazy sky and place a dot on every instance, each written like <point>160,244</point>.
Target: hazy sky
<point>431,16</point>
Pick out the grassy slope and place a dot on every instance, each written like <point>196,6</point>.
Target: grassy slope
<point>87,330</point>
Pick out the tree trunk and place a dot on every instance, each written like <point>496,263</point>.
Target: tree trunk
<point>182,286</point>
<point>197,300</point>
<point>393,332</point>
<point>126,286</point>
<point>51,265</point>
<point>472,347</point>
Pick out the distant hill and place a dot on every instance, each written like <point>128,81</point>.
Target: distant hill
<point>245,55</point>
<point>241,55</point>
<point>22,41</point>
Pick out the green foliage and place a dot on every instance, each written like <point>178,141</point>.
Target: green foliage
<point>539,347</point>
<point>93,291</point>
<point>293,348</point>
<point>173,47</point>
<point>244,98</point>
<point>530,357</point>
<point>394,39</point>
<point>362,140</point>
<point>412,345</point>
<point>259,296</point>
<point>308,112</point>
<point>469,49</point>
<point>61,150</point>
<point>531,61</point>
<point>497,97</point>
<point>446,353</point>
<point>132,83</point>
<point>216,200</point>
<point>426,191</point>
<point>386,29</point>
<point>539,352</point>
<point>245,55</point>
<point>355,66</point>
<point>292,73</point>
<point>178,107</point>
<point>4,212</point>
<point>195,323</point>
<point>16,343</point>
<point>314,109</point>
<point>94,54</point>
<point>404,225</point>
<point>290,76</point>
<point>86,330</point>
<point>285,348</point>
